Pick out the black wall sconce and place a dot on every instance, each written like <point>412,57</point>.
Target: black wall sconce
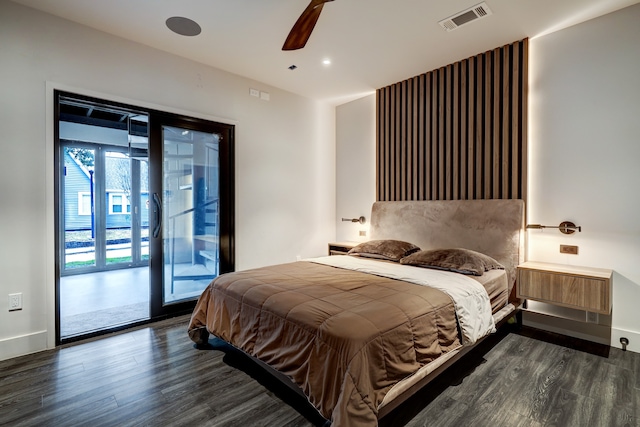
<point>565,227</point>
<point>361,220</point>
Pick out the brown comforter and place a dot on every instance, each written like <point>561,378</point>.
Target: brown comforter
<point>344,337</point>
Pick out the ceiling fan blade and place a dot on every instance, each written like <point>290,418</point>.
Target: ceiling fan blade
<point>303,27</point>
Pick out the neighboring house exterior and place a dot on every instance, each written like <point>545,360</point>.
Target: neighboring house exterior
<point>77,194</point>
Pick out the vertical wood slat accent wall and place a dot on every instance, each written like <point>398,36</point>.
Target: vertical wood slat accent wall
<point>459,132</point>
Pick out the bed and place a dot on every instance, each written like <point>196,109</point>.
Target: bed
<point>358,334</point>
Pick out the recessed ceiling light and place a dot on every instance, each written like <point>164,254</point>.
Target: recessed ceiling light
<point>326,61</point>
<point>183,26</point>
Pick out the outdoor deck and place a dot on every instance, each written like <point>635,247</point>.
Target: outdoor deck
<point>103,300</point>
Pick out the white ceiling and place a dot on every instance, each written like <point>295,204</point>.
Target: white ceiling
<point>371,43</point>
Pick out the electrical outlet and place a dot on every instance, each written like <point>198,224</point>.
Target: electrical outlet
<point>624,342</point>
<point>363,232</point>
<point>15,302</point>
<point>254,92</point>
<point>592,317</point>
<point>568,249</point>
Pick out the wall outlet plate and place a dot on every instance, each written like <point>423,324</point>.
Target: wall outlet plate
<point>15,302</point>
<point>568,249</point>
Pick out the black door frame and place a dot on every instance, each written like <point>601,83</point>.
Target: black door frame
<point>227,199</point>
<point>156,120</point>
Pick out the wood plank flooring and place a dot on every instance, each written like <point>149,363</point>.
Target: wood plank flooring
<point>154,376</point>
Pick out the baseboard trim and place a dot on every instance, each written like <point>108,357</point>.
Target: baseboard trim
<point>22,345</point>
<point>632,336</point>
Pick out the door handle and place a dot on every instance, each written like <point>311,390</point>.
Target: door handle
<point>157,210</point>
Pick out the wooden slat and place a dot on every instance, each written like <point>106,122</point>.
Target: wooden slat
<point>454,140</point>
<point>479,149</point>
<point>382,143</point>
<point>402,165</point>
<point>471,150</point>
<point>415,155</point>
<point>506,123</point>
<point>440,141</point>
<point>496,140</point>
<point>422,194</point>
<point>441,126</point>
<point>397,146</point>
<point>487,175</point>
<point>447,171</point>
<point>392,144</point>
<point>516,96</point>
<point>524,76</point>
<point>433,124</point>
<point>458,132</point>
<point>379,131</point>
<point>462,132</point>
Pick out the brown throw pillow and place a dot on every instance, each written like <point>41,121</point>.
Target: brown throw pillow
<point>459,260</point>
<point>392,250</point>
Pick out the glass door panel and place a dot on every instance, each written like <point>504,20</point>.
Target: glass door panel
<point>190,212</point>
<point>102,212</point>
<point>79,201</point>
<point>118,209</point>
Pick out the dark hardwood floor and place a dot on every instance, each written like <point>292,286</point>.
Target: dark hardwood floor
<point>154,376</point>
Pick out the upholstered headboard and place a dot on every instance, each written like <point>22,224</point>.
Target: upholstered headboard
<point>493,227</point>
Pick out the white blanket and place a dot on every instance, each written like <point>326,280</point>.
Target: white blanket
<point>470,299</point>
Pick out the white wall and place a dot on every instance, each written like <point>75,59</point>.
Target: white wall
<point>355,166</point>
<point>285,153</point>
<point>584,160</point>
<point>585,152</point>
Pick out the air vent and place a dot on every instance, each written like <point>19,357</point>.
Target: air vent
<point>473,13</point>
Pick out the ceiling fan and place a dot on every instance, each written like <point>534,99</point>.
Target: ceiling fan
<point>303,27</point>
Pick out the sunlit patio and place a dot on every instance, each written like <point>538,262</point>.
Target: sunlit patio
<point>103,300</point>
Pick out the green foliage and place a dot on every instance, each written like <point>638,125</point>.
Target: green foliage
<point>116,260</point>
<point>83,155</point>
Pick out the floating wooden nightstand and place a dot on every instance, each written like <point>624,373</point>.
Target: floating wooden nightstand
<point>341,248</point>
<point>581,288</point>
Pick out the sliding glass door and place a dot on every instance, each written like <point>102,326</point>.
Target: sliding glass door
<point>144,208</point>
<point>193,206</point>
<point>191,224</point>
